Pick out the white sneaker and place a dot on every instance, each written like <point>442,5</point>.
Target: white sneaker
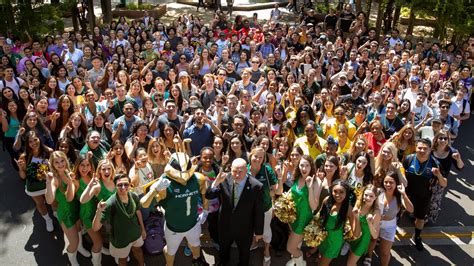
<point>49,225</point>
<point>345,249</point>
<point>105,251</point>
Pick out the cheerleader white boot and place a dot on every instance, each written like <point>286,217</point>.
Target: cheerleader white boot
<point>300,261</point>
<point>96,259</point>
<point>80,248</point>
<point>73,258</point>
<point>291,262</point>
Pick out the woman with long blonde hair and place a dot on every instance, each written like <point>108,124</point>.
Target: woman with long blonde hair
<point>404,140</point>
<point>387,161</point>
<point>60,188</point>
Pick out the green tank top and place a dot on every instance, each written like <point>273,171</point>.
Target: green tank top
<point>181,204</point>
<point>304,214</point>
<point>360,246</point>
<point>68,212</point>
<point>104,193</point>
<point>331,246</point>
<point>86,210</point>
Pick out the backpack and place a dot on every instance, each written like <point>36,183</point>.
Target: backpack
<point>4,82</point>
<point>155,234</point>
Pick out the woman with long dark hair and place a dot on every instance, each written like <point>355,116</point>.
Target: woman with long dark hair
<point>75,130</point>
<point>118,157</point>
<point>31,164</point>
<point>447,157</point>
<point>335,211</point>
<point>393,199</point>
<point>10,121</point>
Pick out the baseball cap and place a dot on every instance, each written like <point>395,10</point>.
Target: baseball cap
<point>183,74</point>
<point>415,79</point>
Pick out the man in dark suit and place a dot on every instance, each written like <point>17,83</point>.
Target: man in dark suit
<point>241,212</point>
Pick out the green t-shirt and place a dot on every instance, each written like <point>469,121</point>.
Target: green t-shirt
<point>124,230</point>
<point>181,204</point>
<point>267,177</point>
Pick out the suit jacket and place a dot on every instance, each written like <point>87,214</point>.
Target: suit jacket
<point>246,219</point>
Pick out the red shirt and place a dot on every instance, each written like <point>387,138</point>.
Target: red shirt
<point>374,144</point>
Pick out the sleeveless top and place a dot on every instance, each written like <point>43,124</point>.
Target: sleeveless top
<point>104,193</point>
<point>86,210</point>
<point>68,212</point>
<point>304,214</point>
<point>388,212</point>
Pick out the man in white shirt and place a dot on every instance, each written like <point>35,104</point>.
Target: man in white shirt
<point>11,81</point>
<point>420,109</point>
<point>460,107</point>
<point>72,53</point>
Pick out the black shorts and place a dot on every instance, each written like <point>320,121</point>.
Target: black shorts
<point>421,206</point>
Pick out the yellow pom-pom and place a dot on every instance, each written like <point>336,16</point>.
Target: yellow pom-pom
<point>314,233</point>
<point>285,209</point>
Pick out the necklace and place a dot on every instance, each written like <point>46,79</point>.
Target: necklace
<point>121,207</point>
<point>418,166</point>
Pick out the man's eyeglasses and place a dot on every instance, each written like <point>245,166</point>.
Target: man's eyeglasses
<point>123,185</point>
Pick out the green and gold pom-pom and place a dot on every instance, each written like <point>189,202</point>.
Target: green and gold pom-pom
<point>357,192</point>
<point>284,208</point>
<point>348,233</point>
<point>42,171</point>
<point>314,233</point>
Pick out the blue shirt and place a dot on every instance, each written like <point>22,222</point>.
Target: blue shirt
<point>126,127</point>
<point>201,137</point>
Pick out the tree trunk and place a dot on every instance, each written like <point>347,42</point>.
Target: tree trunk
<point>326,3</point>
<point>368,10</point>
<point>140,2</point>
<point>358,4</point>
<point>388,16</point>
<point>90,15</point>
<point>378,22</point>
<point>106,6</point>
<point>396,16</point>
<point>75,19</point>
<point>55,2</point>
<point>411,22</point>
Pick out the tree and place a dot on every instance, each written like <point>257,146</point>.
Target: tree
<point>378,22</point>
<point>106,6</point>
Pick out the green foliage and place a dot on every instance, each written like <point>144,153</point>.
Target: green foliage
<point>42,20</point>
<point>135,6</point>
<point>321,8</point>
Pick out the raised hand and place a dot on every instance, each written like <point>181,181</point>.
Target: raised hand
<point>101,206</point>
<point>309,181</point>
<point>401,189</point>
<point>161,184</point>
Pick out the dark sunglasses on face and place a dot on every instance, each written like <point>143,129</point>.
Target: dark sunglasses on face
<point>123,185</point>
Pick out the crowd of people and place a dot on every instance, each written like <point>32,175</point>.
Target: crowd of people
<point>211,121</point>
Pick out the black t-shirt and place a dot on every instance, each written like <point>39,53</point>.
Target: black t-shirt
<point>346,21</point>
<point>345,89</point>
<point>390,126</point>
<point>419,176</point>
<point>331,21</point>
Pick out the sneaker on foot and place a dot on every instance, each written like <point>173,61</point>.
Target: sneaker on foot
<point>49,225</point>
<point>187,251</point>
<point>418,244</point>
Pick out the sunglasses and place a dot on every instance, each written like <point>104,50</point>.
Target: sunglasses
<point>123,185</point>
<point>443,138</point>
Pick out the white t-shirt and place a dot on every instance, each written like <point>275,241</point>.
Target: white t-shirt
<point>12,84</point>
